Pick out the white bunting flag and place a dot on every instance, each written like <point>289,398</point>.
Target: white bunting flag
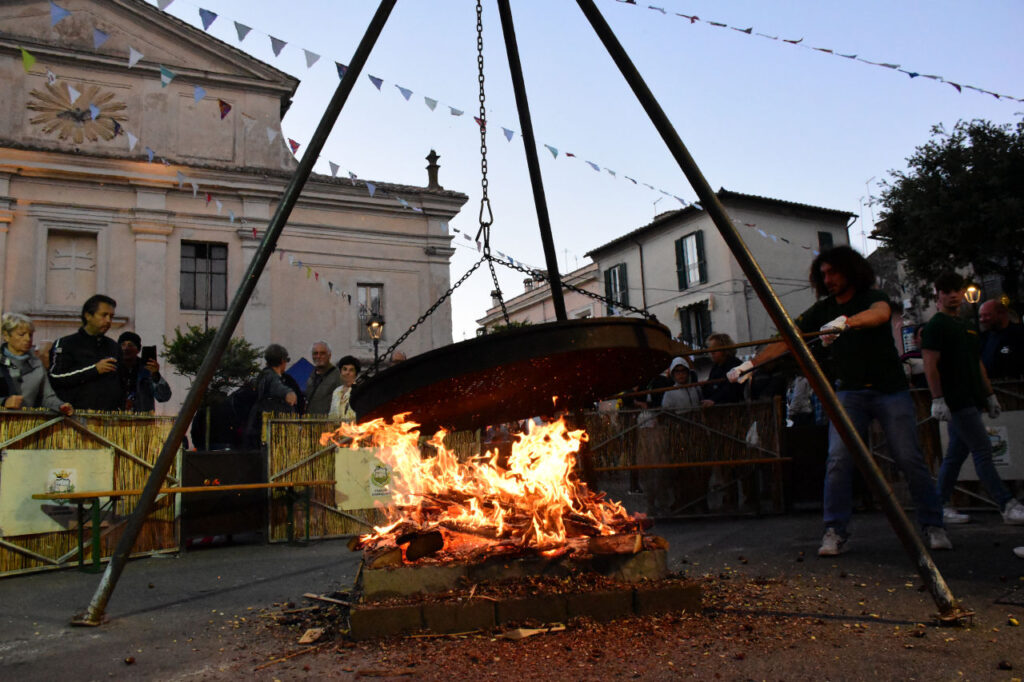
<point>51,77</point>
<point>371,187</point>
<point>271,134</point>
<point>162,4</point>
<point>311,58</point>
<point>195,188</point>
<point>242,30</point>
<point>181,180</point>
<point>334,169</point>
<point>220,205</point>
<point>134,56</point>
<point>132,141</point>
<point>73,94</point>
<point>431,103</point>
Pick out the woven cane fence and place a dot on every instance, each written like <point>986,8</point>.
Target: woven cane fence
<point>135,440</point>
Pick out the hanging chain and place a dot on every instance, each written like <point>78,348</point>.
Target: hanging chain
<point>540,275</point>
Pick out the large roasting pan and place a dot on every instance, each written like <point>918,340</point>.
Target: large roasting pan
<point>519,373</point>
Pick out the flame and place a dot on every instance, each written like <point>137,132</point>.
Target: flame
<point>531,499</point>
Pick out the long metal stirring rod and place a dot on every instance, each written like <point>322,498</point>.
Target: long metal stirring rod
<point>94,613</point>
<point>948,607</point>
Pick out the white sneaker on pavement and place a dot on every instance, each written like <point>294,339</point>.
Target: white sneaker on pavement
<point>951,516</point>
<point>1019,551</point>
<point>831,544</point>
<point>937,538</point>
<point>1013,513</point>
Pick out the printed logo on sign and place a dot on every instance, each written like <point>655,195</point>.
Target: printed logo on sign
<point>380,480</point>
<point>1000,445</point>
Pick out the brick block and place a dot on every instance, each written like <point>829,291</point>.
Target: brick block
<point>459,616</point>
<point>372,622</point>
<point>649,601</point>
<point>601,606</point>
<point>550,608</point>
<point>633,568</point>
<point>382,583</point>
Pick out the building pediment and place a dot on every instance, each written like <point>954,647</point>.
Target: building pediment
<point>78,98</point>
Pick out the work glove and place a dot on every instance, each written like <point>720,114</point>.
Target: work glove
<point>994,408</point>
<point>838,324</point>
<point>740,373</point>
<point>940,411</point>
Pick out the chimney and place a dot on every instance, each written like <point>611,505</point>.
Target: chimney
<point>432,169</point>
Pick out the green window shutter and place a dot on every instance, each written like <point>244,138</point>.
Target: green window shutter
<point>702,263</point>
<point>681,263</point>
<point>624,284</point>
<point>608,293</point>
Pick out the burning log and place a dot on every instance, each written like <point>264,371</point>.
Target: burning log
<point>419,545</point>
<point>387,558</point>
<point>615,544</point>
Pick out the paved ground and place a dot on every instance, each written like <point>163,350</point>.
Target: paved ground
<point>786,614</point>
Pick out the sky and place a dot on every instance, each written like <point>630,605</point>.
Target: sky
<point>759,115</point>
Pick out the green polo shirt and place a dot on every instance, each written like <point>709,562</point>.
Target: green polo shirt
<point>959,370</point>
<point>861,358</point>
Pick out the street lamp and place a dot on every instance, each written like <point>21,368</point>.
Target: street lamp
<point>973,294</point>
<point>375,327</point>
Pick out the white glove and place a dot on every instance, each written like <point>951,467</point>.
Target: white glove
<point>740,373</point>
<point>838,324</point>
<point>940,411</point>
<point>994,408</point>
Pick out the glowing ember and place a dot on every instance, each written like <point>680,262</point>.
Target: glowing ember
<point>486,503</point>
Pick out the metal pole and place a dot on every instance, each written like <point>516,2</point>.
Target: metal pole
<point>94,613</point>
<point>948,607</point>
<point>523,105</point>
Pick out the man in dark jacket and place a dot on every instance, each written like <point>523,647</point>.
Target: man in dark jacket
<point>84,366</point>
<point>143,385</point>
<point>322,382</point>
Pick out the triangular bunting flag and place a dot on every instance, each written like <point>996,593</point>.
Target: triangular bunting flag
<point>311,58</point>
<point>955,85</point>
<point>98,38</point>
<point>334,169</point>
<point>570,154</point>
<point>132,141</point>
<point>341,69</point>
<point>294,145</point>
<point>195,188</point>
<point>73,94</point>
<point>242,30</point>
<point>316,276</point>
<point>247,121</point>
<point>352,177</point>
<point>57,13</point>
<point>134,56</point>
<point>276,44</point>
<point>372,188</point>
<point>431,103</point>
<point>209,198</point>
<point>219,205</point>
<point>455,112</point>
<point>27,60</point>
<point>309,271</point>
<point>162,4</point>
<point>150,154</point>
<point>94,111</point>
<point>271,134</point>
<point>198,92</point>
<point>610,172</point>
<point>208,18</point>
<point>117,129</point>
<point>224,107</point>
<point>508,133</point>
<point>377,82</point>
<point>51,77</point>
<point>166,76</point>
<point>181,180</point>
<point>596,167</point>
<point>480,122</point>
<point>554,152</point>
<point>406,92</point>
<point>231,216</point>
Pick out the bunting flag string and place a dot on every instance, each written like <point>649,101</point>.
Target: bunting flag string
<point>799,42</point>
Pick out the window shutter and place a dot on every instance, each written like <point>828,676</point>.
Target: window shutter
<point>681,264</point>
<point>624,284</point>
<point>702,263</point>
<point>608,293</point>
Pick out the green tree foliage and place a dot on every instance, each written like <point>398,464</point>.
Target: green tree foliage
<point>187,351</point>
<point>960,203</point>
<point>513,324</point>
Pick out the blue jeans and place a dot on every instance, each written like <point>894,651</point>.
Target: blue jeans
<point>895,413</point>
<point>967,434</point>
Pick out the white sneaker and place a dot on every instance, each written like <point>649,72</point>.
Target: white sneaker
<point>951,516</point>
<point>937,538</point>
<point>1019,551</point>
<point>1013,513</point>
<point>831,544</point>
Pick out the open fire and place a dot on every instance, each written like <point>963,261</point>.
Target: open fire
<point>489,505</point>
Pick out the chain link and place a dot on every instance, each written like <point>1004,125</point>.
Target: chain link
<point>486,217</point>
<point>539,275</point>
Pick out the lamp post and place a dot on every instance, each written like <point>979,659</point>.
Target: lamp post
<point>973,294</point>
<point>375,327</point>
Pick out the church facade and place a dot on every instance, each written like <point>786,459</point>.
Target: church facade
<point>148,168</point>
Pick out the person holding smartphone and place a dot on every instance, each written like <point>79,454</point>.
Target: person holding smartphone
<point>141,382</point>
<point>85,366</point>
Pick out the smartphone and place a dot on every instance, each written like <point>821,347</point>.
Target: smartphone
<point>148,353</point>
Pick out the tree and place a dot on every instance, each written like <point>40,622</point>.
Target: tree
<point>187,351</point>
<point>960,203</point>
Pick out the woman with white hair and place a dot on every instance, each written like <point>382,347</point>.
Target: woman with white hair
<point>23,379</point>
